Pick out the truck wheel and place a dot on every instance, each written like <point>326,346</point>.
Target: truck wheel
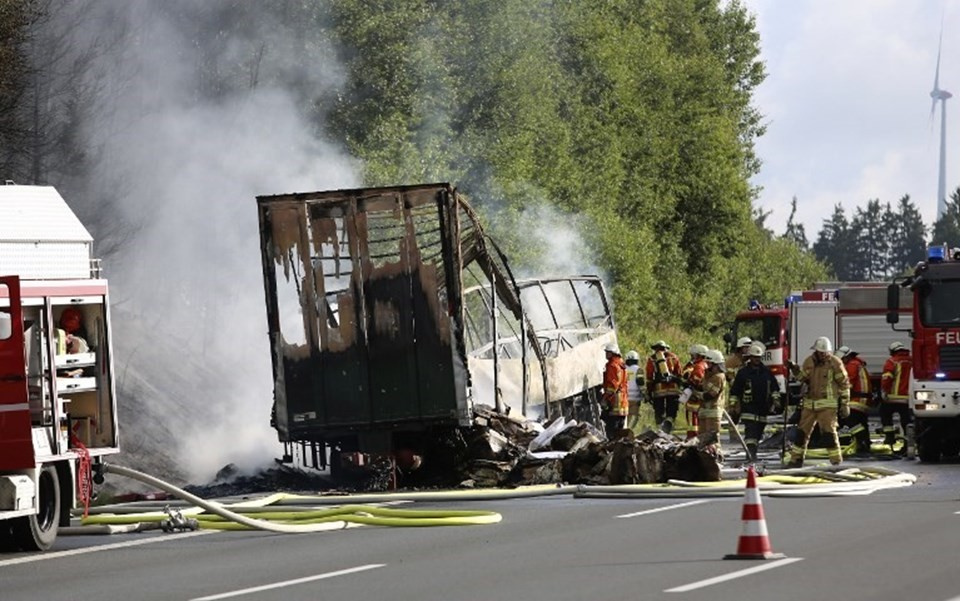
<point>37,532</point>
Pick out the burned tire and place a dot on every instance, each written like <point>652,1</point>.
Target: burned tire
<point>37,532</point>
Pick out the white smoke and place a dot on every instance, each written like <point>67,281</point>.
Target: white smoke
<point>187,172</point>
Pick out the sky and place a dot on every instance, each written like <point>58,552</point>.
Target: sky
<point>847,105</point>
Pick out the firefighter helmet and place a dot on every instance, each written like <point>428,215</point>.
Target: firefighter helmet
<point>633,356</point>
<point>70,320</point>
<point>755,350</point>
<point>612,347</point>
<point>842,352</point>
<point>897,346</point>
<point>745,341</point>
<point>660,344</point>
<point>698,349</point>
<point>714,356</point>
<point>823,345</point>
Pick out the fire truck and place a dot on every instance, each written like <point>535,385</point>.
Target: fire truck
<point>849,313</point>
<point>58,411</point>
<point>935,331</point>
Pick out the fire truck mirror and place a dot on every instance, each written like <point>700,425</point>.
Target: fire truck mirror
<point>893,303</point>
<point>6,326</point>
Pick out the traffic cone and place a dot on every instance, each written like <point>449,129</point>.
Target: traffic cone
<point>754,542</point>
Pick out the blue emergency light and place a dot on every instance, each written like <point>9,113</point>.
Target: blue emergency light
<point>936,254</point>
<point>755,305</point>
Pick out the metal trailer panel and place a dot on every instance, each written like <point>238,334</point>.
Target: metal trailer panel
<point>40,237</point>
<point>808,321</point>
<point>364,330</point>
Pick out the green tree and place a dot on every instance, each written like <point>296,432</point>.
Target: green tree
<point>835,244</point>
<point>907,236</point>
<point>795,232</point>
<point>946,230</point>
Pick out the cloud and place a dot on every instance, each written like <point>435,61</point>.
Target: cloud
<point>847,103</point>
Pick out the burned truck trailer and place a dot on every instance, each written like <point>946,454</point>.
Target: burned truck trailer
<point>392,315</point>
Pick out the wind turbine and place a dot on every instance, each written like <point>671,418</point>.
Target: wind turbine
<point>942,96</point>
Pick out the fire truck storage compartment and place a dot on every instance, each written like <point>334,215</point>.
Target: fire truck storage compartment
<point>810,320</point>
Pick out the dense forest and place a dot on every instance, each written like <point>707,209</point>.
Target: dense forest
<point>614,136</point>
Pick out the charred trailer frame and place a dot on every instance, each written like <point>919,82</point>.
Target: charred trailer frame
<point>371,297</point>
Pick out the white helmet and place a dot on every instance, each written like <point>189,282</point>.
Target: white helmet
<point>633,356</point>
<point>823,345</point>
<point>842,351</point>
<point>714,356</point>
<point>698,349</point>
<point>755,350</point>
<point>661,344</point>
<point>745,341</point>
<point>612,347</point>
<point>897,346</point>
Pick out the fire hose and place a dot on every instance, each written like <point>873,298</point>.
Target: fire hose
<point>294,522</point>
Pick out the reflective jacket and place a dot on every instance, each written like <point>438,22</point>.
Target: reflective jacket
<point>733,364</point>
<point>859,383</point>
<point>693,374</point>
<point>714,395</point>
<point>754,390</point>
<point>895,381</point>
<point>827,382</point>
<point>663,374</point>
<point>615,386</point>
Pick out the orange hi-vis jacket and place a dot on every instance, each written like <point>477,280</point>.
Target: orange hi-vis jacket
<point>615,386</point>
<point>895,381</point>
<point>663,374</point>
<point>859,383</point>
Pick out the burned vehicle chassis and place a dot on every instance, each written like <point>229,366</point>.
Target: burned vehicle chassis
<point>391,315</point>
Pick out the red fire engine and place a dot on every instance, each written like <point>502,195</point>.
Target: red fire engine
<point>935,332</point>
<point>849,313</point>
<point>57,401</point>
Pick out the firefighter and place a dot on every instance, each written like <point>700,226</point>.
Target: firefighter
<point>71,335</point>
<point>692,375</point>
<point>615,404</point>
<point>737,358</point>
<point>663,384</point>
<point>828,395</point>
<point>860,396</point>
<point>754,394</point>
<point>895,391</point>
<point>713,398</point>
<point>634,389</point>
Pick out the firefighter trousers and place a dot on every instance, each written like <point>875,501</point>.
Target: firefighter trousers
<point>887,411</point>
<point>665,407</point>
<point>827,420</point>
<point>859,428</point>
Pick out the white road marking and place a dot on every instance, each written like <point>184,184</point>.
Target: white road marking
<point>130,543</point>
<point>733,575</point>
<point>267,587</point>
<point>667,508</point>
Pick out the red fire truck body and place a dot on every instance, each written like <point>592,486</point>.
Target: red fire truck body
<point>57,395</point>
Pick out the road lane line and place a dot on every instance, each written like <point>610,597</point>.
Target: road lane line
<point>733,575</point>
<point>667,508</point>
<point>130,543</point>
<point>267,587</point>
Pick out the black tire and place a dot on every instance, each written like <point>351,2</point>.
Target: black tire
<point>37,532</point>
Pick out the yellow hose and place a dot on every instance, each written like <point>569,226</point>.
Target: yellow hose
<point>287,521</point>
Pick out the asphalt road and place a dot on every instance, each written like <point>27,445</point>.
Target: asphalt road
<point>894,544</point>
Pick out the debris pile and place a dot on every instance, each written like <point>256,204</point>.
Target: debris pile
<point>504,451</point>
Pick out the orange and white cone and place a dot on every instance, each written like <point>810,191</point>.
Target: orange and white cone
<point>754,541</point>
